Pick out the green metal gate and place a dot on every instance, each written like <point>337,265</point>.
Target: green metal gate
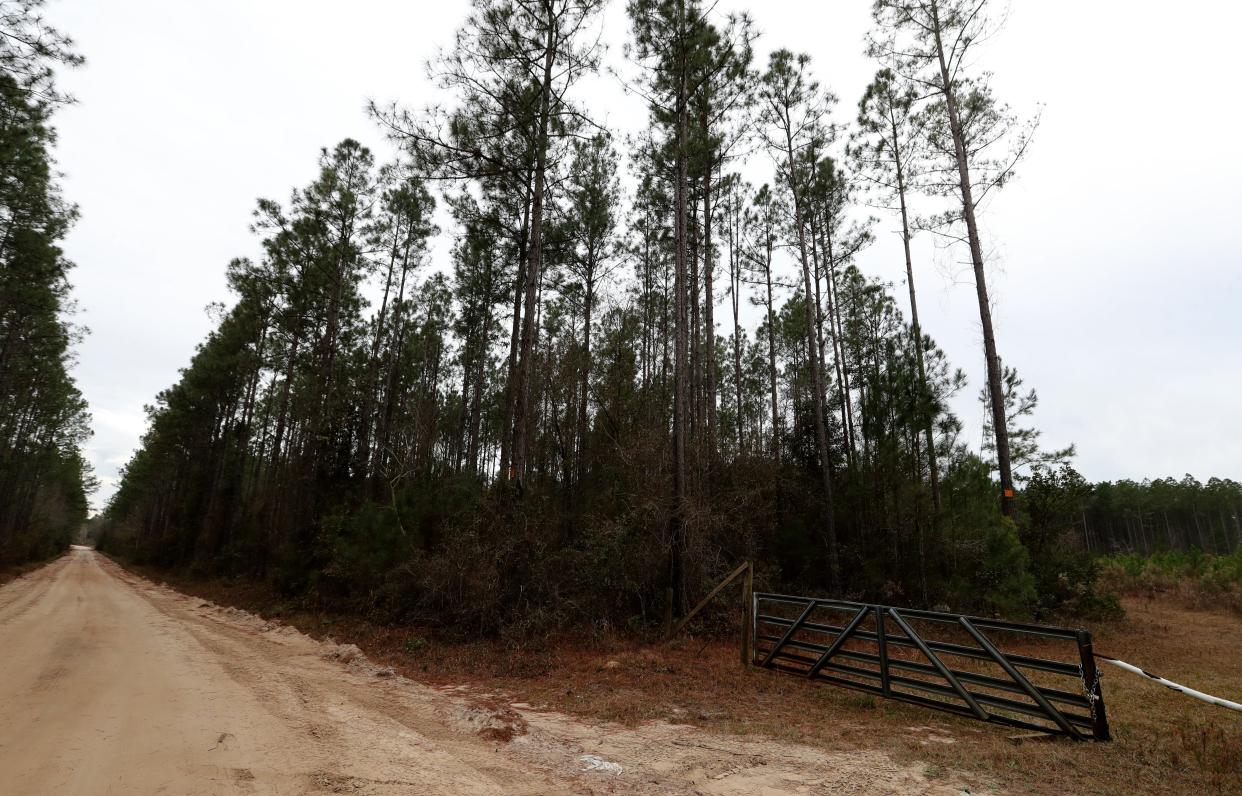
<point>943,661</point>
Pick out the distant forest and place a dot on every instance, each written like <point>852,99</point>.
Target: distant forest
<point>635,368</point>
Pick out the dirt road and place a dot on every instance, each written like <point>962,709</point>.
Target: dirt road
<point>110,684</point>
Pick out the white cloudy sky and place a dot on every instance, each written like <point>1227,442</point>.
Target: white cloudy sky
<point>1117,267</point>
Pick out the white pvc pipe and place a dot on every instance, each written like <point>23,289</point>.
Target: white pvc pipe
<point>1224,703</point>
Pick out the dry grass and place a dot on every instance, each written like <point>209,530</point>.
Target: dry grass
<point>1165,743</point>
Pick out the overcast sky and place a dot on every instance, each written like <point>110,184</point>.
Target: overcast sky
<point>1116,265</point>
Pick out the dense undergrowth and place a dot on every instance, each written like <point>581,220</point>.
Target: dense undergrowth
<point>518,568</point>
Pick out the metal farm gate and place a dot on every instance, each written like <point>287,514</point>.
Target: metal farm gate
<point>937,660</point>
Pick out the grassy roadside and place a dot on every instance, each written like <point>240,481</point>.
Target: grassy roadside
<point>1166,743</point>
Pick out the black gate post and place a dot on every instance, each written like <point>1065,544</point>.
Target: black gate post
<point>881,643</point>
<point>1091,684</point>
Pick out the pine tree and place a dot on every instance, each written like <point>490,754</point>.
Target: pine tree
<point>670,40</point>
<point>888,151</point>
<point>593,201</point>
<point>794,111</point>
<point>44,479</point>
<point>928,44</point>
<point>764,220</point>
<point>31,50</point>
<point>514,67</point>
<point>1025,451</point>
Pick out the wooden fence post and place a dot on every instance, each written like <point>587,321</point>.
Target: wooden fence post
<point>734,575</point>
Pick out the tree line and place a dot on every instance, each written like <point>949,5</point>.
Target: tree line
<point>44,479</point>
<point>557,425</point>
<point>1146,517</point>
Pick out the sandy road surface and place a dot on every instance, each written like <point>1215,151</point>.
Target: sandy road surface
<point>110,684</point>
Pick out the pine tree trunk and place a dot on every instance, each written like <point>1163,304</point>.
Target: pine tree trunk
<point>585,387</point>
<point>929,435</point>
<point>776,416</point>
<point>400,325</point>
<point>515,337</point>
<point>362,458</point>
<point>694,435</point>
<point>995,390</point>
<point>838,362</point>
<point>735,279</point>
<point>834,320</point>
<point>819,313</point>
<point>521,433</point>
<point>676,582</point>
<point>709,301</point>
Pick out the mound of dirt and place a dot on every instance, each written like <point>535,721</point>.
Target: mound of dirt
<point>342,653</point>
<point>490,719</point>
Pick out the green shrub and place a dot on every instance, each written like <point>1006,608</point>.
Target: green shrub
<point>1197,579</point>
<point>988,567</point>
<point>1066,574</point>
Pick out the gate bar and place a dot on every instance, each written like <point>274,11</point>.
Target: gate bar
<point>840,641</point>
<point>789,632</point>
<point>939,664</point>
<point>1030,690</point>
